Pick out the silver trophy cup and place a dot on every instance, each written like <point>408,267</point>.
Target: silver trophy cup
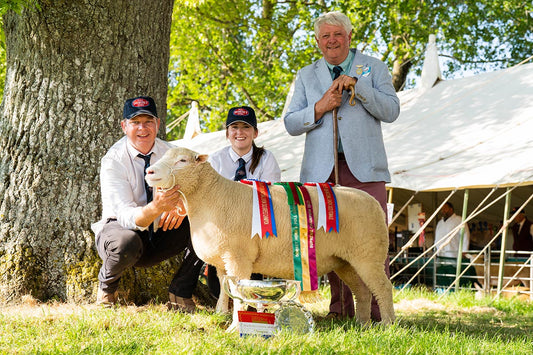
<point>270,293</point>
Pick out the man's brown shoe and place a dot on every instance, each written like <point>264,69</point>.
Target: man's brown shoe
<point>177,303</point>
<point>106,299</point>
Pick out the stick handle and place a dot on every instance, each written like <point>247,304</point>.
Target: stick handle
<point>335,145</point>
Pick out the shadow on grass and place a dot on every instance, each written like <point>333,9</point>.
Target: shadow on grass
<point>482,325</point>
<point>474,325</point>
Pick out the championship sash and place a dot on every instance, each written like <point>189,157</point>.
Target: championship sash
<point>303,239</point>
<point>263,221</point>
<point>328,216</point>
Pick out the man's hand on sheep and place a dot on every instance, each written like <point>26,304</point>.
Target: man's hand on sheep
<point>172,219</point>
<point>164,201</point>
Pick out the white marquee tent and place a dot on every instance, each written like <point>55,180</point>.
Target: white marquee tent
<point>474,132</point>
<point>473,135</point>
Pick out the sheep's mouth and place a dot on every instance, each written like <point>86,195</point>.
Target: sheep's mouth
<point>152,181</point>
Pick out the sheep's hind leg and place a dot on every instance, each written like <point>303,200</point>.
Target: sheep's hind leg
<point>374,277</point>
<point>363,296</point>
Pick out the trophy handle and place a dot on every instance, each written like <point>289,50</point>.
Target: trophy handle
<point>293,289</point>
<point>226,280</point>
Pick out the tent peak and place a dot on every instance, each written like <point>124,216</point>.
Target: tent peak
<point>193,122</point>
<point>431,73</point>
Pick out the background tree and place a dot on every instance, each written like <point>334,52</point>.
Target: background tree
<point>248,51</point>
<point>70,66</point>
<point>234,53</point>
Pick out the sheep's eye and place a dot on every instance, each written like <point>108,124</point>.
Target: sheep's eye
<point>183,160</point>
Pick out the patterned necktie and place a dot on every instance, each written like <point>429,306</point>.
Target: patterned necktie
<point>337,70</point>
<point>240,173</point>
<point>148,189</point>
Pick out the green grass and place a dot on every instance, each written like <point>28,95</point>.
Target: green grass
<point>427,323</point>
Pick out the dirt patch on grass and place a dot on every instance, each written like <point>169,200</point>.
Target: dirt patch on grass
<point>30,307</point>
<point>421,304</point>
<point>417,305</point>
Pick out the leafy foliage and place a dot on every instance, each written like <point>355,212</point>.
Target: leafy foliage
<point>225,54</point>
<point>17,5</point>
<point>248,51</point>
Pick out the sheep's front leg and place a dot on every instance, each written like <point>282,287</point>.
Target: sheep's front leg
<point>242,270</point>
<point>223,298</point>
<point>237,306</point>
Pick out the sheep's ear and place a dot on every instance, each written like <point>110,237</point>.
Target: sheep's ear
<point>201,158</point>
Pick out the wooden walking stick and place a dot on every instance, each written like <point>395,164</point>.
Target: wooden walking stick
<point>336,134</point>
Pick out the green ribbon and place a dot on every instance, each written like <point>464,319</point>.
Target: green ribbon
<point>295,227</point>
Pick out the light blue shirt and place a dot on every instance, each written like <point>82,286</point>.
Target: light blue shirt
<point>346,65</point>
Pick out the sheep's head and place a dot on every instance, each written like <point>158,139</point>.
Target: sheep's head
<point>163,173</point>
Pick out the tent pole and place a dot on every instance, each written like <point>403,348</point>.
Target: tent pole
<point>419,231</point>
<point>390,194</point>
<point>403,208</point>
<point>506,210</point>
<point>461,235</point>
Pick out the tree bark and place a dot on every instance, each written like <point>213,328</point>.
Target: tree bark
<point>70,66</point>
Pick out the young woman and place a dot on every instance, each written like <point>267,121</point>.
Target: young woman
<point>242,160</point>
<point>259,163</point>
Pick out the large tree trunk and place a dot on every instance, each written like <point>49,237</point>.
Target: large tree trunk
<point>71,64</point>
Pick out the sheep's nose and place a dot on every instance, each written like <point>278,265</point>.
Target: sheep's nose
<point>149,170</point>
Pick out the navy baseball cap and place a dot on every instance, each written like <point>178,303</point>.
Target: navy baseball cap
<point>141,105</point>
<point>241,114</point>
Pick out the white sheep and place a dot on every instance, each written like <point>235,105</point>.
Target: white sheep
<point>220,216</point>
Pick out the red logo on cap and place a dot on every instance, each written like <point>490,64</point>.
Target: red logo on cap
<point>241,112</point>
<point>140,103</point>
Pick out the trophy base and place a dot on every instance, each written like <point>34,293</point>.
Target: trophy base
<point>293,317</point>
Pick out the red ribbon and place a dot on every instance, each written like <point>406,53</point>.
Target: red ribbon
<point>332,222</point>
<point>267,228</point>
<point>311,238</point>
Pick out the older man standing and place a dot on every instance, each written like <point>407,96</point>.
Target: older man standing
<point>319,89</point>
<point>141,227</point>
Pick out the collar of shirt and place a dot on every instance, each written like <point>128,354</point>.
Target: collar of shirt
<point>346,65</point>
<point>247,157</point>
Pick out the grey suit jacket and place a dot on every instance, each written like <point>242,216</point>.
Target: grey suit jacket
<point>359,125</point>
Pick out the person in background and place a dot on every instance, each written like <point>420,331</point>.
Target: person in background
<point>242,159</point>
<point>445,225</point>
<point>140,227</point>
<point>522,233</point>
<point>318,90</point>
<point>448,248</point>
